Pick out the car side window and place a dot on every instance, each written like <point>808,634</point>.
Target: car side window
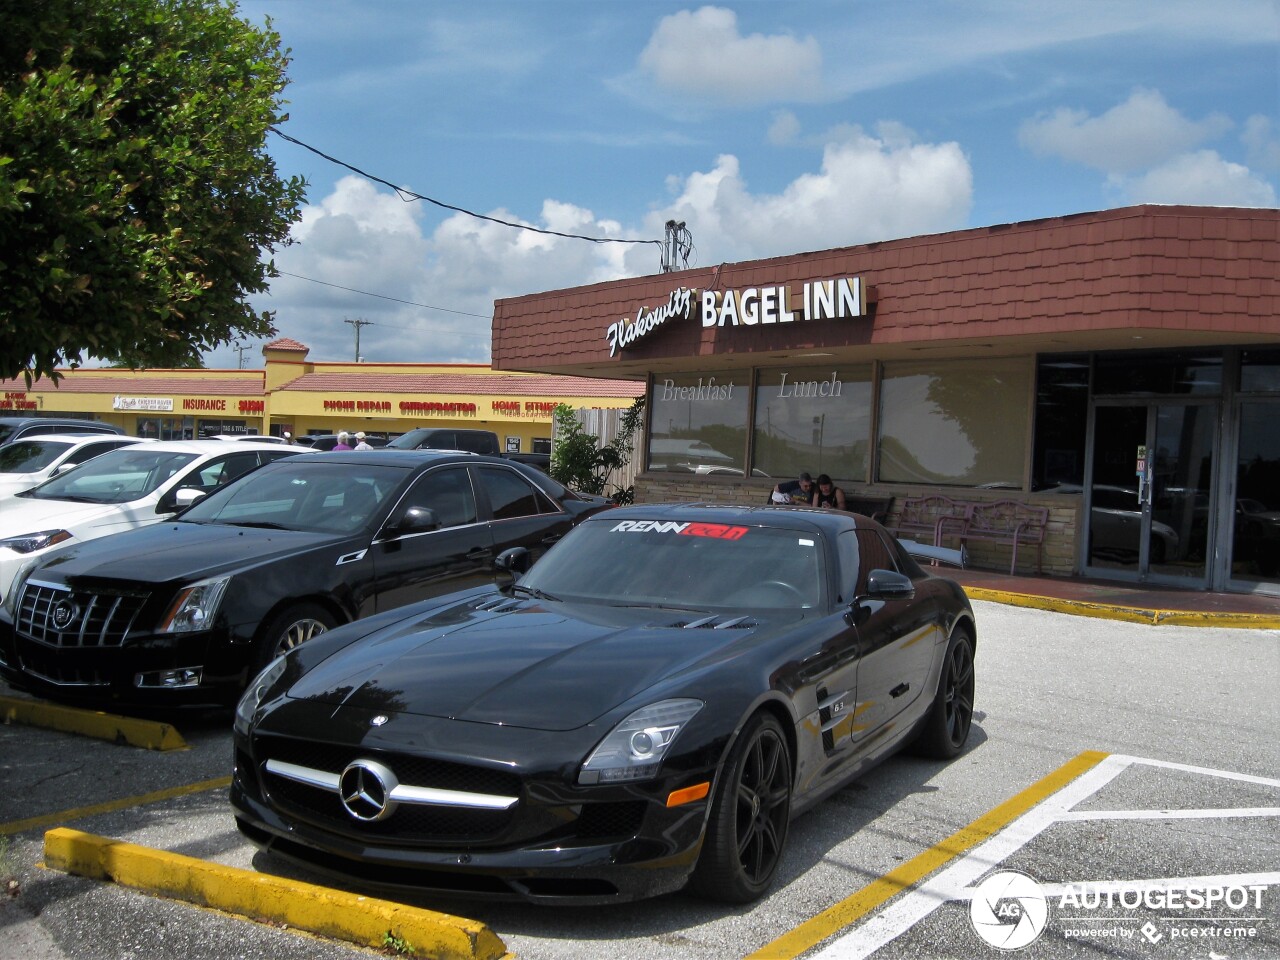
<point>222,470</point>
<point>90,450</point>
<point>861,551</point>
<point>448,492</point>
<point>511,495</point>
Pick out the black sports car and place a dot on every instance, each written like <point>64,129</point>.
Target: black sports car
<point>646,707</point>
<point>188,610</point>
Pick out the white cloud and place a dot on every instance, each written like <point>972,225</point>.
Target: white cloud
<point>1203,178</point>
<point>1259,138</point>
<point>702,54</point>
<point>784,129</point>
<point>867,189</point>
<point>1140,133</point>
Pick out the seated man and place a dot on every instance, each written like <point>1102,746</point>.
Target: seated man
<point>794,491</point>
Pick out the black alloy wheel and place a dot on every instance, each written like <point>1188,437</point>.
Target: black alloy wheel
<point>750,815</point>
<point>950,718</point>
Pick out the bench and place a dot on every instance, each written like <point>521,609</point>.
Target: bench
<point>925,515</point>
<point>877,508</point>
<point>999,521</point>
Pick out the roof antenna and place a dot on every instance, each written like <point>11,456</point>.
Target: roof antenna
<point>676,246</point>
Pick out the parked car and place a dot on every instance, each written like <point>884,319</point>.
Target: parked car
<point>648,706</point>
<point>187,611</point>
<point>25,463</point>
<point>20,428</point>
<point>540,460</point>
<point>441,438</point>
<point>252,437</point>
<point>116,491</point>
<point>325,442</point>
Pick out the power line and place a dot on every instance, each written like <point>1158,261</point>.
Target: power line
<point>408,196</point>
<point>411,303</point>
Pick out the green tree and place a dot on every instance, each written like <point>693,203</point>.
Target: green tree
<point>138,205</point>
<point>581,463</point>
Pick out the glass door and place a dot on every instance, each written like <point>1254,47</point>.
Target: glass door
<point>1150,491</point>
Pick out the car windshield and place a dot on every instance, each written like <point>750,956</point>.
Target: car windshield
<point>119,476</point>
<point>314,496</point>
<point>27,456</point>
<point>408,441</point>
<point>690,565</point>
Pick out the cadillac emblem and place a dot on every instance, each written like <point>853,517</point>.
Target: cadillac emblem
<point>64,613</point>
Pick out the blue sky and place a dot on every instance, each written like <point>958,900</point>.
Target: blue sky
<point>767,127</point>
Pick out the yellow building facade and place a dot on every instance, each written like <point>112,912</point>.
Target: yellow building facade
<point>292,394</point>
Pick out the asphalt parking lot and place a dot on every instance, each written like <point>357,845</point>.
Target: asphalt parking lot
<point>1163,786</point>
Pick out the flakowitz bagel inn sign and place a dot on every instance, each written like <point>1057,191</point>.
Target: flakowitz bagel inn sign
<point>842,298</point>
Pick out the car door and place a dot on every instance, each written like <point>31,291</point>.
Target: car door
<point>896,640</point>
<point>456,555</point>
<point>522,514</point>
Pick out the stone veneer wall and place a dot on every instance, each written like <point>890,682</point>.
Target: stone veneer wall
<point>1059,550</point>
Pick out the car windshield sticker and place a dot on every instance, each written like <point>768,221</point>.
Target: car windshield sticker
<point>805,543</point>
<point>718,531</point>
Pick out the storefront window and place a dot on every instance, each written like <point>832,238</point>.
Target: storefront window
<point>816,419</point>
<point>1161,374</point>
<point>1260,371</point>
<point>961,422</point>
<point>699,424</point>
<point>1062,414</point>
<point>166,428</point>
<point>1255,550</point>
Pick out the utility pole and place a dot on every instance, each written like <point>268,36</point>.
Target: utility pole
<point>358,324</point>
<point>240,349</point>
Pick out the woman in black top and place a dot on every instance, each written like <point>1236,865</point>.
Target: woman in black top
<point>828,494</point>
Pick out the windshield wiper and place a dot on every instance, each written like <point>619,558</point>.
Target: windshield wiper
<point>534,592</point>
<point>263,524</point>
<point>661,606</point>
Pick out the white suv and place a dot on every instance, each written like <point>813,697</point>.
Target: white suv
<point>120,490</point>
<point>32,460</point>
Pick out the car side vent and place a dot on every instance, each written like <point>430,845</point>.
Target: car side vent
<point>718,623</point>
<point>500,604</point>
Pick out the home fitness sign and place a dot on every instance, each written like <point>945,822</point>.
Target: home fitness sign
<point>838,299</point>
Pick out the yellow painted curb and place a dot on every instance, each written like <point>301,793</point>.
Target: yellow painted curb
<point>1107,611</point>
<point>331,913</point>
<point>856,906</point>
<point>91,723</point>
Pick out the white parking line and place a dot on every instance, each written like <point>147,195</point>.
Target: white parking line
<point>956,882</point>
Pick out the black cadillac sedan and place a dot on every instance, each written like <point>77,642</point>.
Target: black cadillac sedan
<point>647,707</point>
<point>186,611</point>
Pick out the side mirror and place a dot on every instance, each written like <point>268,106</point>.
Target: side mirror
<point>62,468</point>
<point>417,520</point>
<point>514,560</point>
<point>888,585</point>
<point>186,496</point>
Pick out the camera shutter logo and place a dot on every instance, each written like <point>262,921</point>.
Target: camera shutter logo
<point>1008,910</point>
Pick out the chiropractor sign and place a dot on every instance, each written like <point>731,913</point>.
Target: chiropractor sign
<point>838,299</point>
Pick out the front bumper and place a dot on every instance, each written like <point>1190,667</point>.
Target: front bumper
<point>560,843</point>
<point>130,673</point>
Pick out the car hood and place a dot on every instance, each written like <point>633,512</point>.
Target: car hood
<point>180,551</point>
<point>536,667</point>
<point>20,515</point>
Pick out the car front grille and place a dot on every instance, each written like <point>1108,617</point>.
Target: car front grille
<point>57,616</point>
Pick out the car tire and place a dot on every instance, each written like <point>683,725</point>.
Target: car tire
<point>290,627</point>
<point>946,726</point>
<point>750,815</point>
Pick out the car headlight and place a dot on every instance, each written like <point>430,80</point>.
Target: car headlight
<point>195,607</point>
<point>634,749</point>
<point>30,542</point>
<point>253,695</point>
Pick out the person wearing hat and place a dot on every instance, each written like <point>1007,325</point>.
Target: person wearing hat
<point>794,491</point>
<point>360,441</point>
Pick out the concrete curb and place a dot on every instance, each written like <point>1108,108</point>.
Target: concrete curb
<point>361,920</point>
<point>1105,611</point>
<point>148,734</point>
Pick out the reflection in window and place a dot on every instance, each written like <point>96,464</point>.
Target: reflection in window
<point>1062,413</point>
<point>699,424</point>
<point>1255,549</point>
<point>1128,374</point>
<point>959,422</point>
<point>814,419</point>
<point>1260,371</point>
